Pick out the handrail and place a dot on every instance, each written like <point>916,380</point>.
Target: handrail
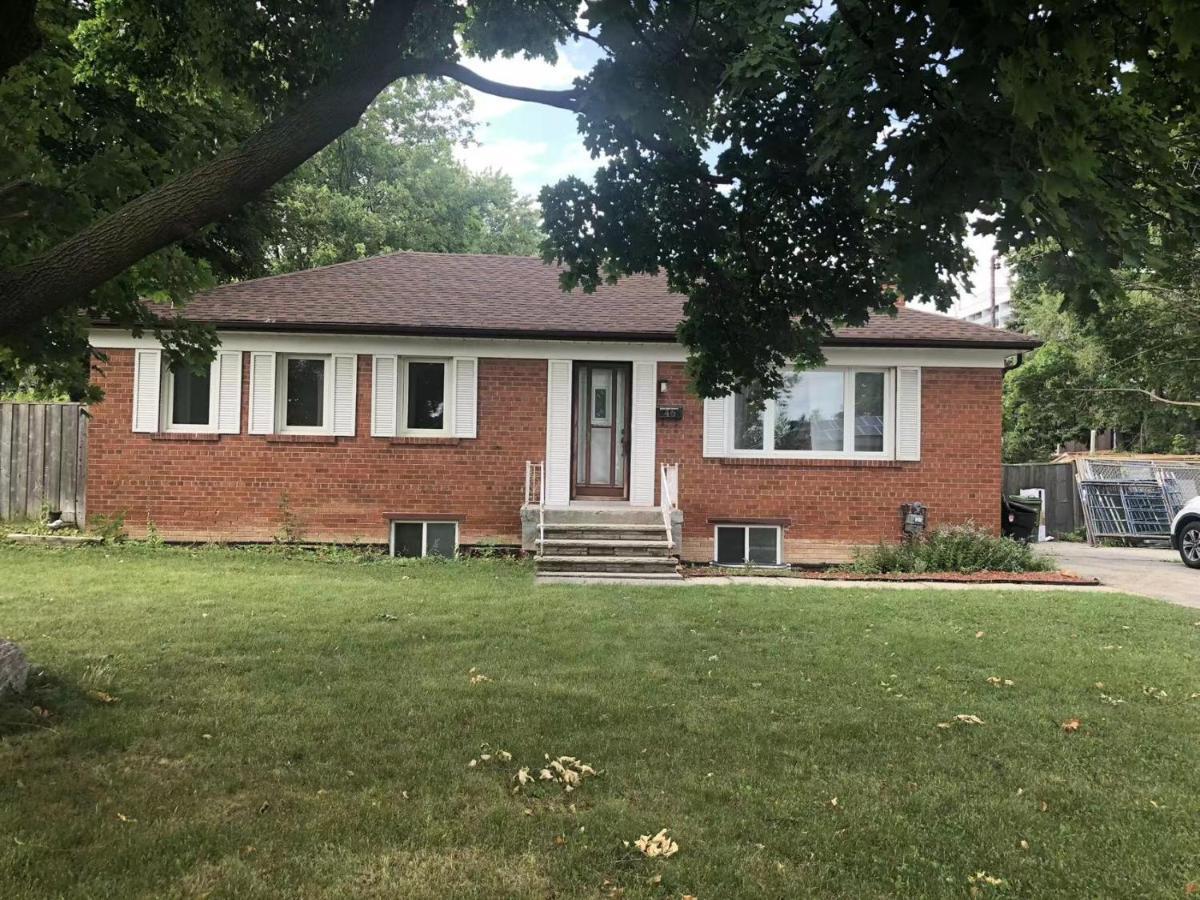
<point>536,472</point>
<point>668,489</point>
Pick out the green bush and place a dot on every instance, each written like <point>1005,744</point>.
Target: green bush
<point>955,548</point>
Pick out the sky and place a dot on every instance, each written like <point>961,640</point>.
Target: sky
<point>537,145</point>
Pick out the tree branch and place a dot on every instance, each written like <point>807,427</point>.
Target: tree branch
<point>1153,395</point>
<point>565,99</point>
<point>65,275</point>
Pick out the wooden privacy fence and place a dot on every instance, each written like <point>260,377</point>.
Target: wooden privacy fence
<point>1064,513</point>
<point>43,460</point>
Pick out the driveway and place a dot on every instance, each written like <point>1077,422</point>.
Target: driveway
<point>1135,570</point>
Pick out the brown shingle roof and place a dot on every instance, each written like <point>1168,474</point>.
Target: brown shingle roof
<point>471,295</point>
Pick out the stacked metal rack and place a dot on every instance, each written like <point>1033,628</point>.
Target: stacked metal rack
<point>1133,500</point>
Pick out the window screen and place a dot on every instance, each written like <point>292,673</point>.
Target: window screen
<point>764,546</point>
<point>407,538</point>
<point>440,539</point>
<point>305,393</point>
<point>739,545</point>
<point>426,396</point>
<point>731,545</point>
<point>189,396</point>
<point>415,539</point>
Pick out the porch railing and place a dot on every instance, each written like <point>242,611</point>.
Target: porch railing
<point>668,489</point>
<point>535,495</point>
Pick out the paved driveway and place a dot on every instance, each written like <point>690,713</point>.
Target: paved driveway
<point>1135,570</point>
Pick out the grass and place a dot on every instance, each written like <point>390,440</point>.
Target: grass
<point>301,727</point>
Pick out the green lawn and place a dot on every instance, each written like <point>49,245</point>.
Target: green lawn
<point>303,727</point>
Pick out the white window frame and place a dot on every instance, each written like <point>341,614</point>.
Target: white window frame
<point>848,451</point>
<point>167,400</point>
<point>402,428</point>
<point>281,374</point>
<point>424,523</point>
<point>746,526</point>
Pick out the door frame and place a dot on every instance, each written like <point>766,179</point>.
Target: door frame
<point>622,445</point>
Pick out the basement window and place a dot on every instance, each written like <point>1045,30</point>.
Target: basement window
<point>416,539</point>
<point>748,545</point>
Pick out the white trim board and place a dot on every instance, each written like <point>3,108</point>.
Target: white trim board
<point>504,348</point>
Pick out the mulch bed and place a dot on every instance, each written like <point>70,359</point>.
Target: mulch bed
<point>1064,578</point>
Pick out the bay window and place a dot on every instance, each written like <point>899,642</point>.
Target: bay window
<point>817,413</point>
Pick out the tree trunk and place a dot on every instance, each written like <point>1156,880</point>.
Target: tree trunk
<point>65,275</point>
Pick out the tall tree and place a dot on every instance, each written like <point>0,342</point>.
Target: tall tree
<point>393,183</point>
<point>1134,367</point>
<point>852,141</point>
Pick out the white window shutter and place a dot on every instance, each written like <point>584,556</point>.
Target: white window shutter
<point>262,393</point>
<point>466,396</point>
<point>345,393</point>
<point>229,391</point>
<point>714,426</point>
<point>641,436</point>
<point>147,382</point>
<point>558,432</point>
<point>383,397</point>
<point>908,413</point>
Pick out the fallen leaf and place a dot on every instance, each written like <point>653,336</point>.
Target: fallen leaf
<point>102,697</point>
<point>996,681</point>
<point>1071,726</point>
<point>1024,845</point>
<point>560,840</point>
<point>658,846</point>
<point>1191,887</point>
<point>833,802</point>
<point>985,878</point>
<point>978,634</point>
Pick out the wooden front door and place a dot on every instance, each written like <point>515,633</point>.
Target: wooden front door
<point>600,431</point>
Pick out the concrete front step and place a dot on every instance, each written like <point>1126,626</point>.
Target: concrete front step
<point>603,515</point>
<point>610,577</point>
<point>605,543</point>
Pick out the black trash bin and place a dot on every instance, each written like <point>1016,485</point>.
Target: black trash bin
<point>1019,518</point>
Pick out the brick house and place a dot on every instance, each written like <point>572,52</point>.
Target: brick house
<point>431,401</point>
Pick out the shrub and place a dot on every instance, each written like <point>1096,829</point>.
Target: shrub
<point>956,548</point>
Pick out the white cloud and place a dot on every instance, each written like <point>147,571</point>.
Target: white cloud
<point>530,164</point>
<point>515,157</point>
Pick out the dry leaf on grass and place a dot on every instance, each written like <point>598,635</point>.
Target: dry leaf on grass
<point>996,681</point>
<point>103,697</point>
<point>567,771</point>
<point>1071,726</point>
<point>476,676</point>
<point>660,846</point>
<point>985,878</point>
<point>962,719</point>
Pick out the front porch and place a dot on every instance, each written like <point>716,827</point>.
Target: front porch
<point>611,537</point>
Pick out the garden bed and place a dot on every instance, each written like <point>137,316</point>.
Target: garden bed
<point>984,577</point>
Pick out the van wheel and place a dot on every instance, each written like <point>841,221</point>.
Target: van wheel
<point>1189,545</point>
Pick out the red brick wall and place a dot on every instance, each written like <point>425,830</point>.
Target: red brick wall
<point>232,488</point>
<point>831,506</point>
